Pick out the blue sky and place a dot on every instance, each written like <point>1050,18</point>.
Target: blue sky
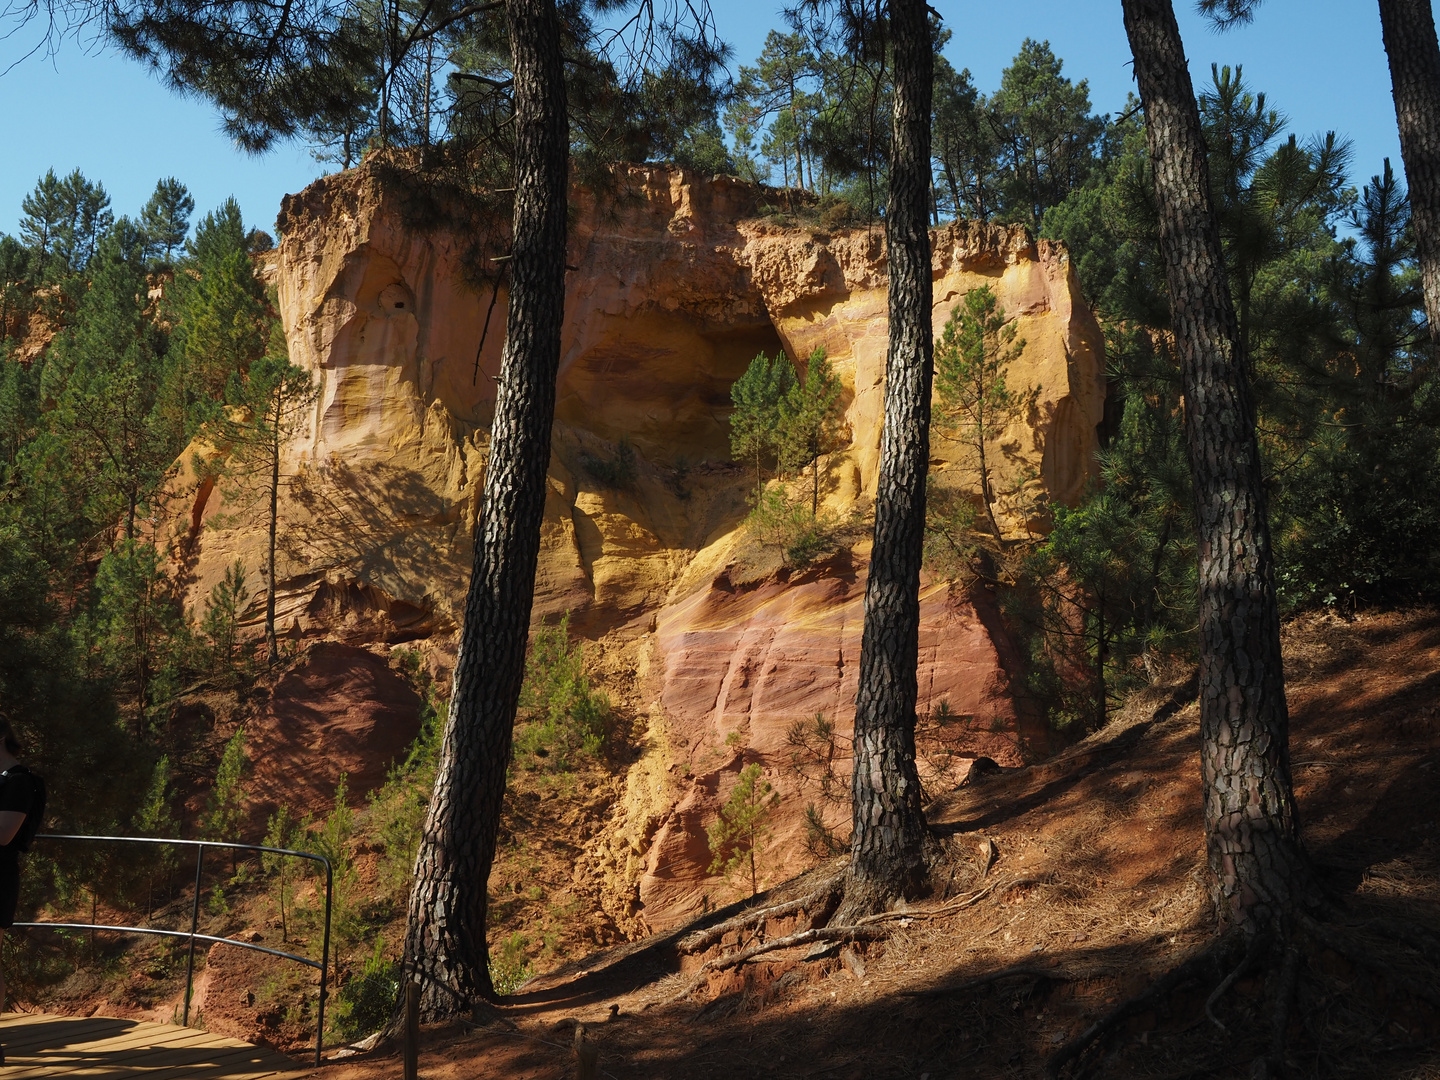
<point>1319,61</point>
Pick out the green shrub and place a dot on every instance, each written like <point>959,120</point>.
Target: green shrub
<point>617,471</point>
<point>788,524</point>
<point>398,808</point>
<point>565,718</point>
<point>509,966</point>
<point>743,826</point>
<point>367,999</point>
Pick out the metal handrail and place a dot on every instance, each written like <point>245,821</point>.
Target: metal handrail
<point>194,935</point>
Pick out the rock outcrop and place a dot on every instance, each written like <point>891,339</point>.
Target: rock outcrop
<point>674,287</point>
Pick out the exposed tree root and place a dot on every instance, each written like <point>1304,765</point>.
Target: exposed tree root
<point>1283,954</point>
<point>1191,968</point>
<point>953,906</point>
<point>1258,944</point>
<point>803,937</point>
<point>817,902</point>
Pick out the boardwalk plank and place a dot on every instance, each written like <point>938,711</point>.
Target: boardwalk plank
<point>103,1048</point>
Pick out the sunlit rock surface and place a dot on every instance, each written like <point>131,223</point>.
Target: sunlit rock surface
<point>675,283</point>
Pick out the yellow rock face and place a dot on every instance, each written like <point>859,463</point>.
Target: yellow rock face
<point>673,289</point>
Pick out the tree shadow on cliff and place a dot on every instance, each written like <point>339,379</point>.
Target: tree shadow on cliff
<point>380,522</point>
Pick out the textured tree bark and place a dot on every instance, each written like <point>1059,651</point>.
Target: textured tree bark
<point>1258,865</point>
<point>887,856</point>
<point>445,932</point>
<point>1410,43</point>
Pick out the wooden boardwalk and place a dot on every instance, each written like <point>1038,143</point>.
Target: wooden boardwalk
<point>97,1048</point>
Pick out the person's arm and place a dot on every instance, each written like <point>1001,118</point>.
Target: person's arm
<point>10,822</point>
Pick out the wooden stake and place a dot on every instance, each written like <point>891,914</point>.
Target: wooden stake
<point>412,1031</point>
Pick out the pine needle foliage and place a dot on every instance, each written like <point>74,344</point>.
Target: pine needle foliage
<point>973,356</point>
<point>755,425</point>
<point>741,830</point>
<point>565,719</point>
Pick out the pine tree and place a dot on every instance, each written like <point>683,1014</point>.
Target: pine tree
<point>975,350</point>
<point>45,215</point>
<point>221,623</point>
<point>269,405</point>
<point>809,421</point>
<point>155,818</point>
<point>1258,865</point>
<point>889,835</point>
<point>104,373</point>
<point>86,220</point>
<point>1047,135</point>
<point>1413,50</point>
<point>224,808</point>
<point>166,219</point>
<point>136,616</point>
<point>741,829</point>
<point>966,147</point>
<point>758,396</point>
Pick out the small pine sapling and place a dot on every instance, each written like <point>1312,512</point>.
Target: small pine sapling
<point>810,422</point>
<point>154,818</point>
<point>755,424</point>
<point>221,623</point>
<point>283,831</point>
<point>974,352</point>
<point>742,826</point>
<point>223,810</point>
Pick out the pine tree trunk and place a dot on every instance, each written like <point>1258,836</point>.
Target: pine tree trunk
<point>887,856</point>
<point>1258,865</point>
<point>1410,43</point>
<point>445,933</point>
<point>272,643</point>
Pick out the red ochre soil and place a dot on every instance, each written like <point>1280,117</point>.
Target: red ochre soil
<point>1108,835</point>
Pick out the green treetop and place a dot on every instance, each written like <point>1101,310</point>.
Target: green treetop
<point>758,396</point>
<point>975,349</point>
<point>166,219</point>
<point>810,421</point>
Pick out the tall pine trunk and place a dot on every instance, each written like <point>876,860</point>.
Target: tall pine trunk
<point>1410,43</point>
<point>272,644</point>
<point>887,856</point>
<point>445,934</point>
<point>1258,865</point>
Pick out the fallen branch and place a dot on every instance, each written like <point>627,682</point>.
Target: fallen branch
<point>819,897</point>
<point>956,905</point>
<point>803,937</point>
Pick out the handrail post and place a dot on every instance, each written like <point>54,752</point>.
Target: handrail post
<point>194,926</point>
<point>324,963</point>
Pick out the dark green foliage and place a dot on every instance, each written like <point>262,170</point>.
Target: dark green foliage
<point>104,374</point>
<point>759,395</point>
<point>564,720</point>
<point>1361,514</point>
<point>1022,150</point>
<point>366,1000</point>
<point>64,221</point>
<point>166,219</point>
<point>221,623</point>
<point>223,806</point>
<point>810,422</point>
<point>615,471</point>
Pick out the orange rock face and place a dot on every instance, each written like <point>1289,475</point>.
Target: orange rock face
<point>674,288</point>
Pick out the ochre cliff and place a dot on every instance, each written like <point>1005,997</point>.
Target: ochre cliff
<point>708,639</point>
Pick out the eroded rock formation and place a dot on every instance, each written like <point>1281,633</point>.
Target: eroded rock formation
<point>675,286</point>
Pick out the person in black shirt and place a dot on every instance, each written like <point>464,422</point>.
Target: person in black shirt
<point>16,798</point>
